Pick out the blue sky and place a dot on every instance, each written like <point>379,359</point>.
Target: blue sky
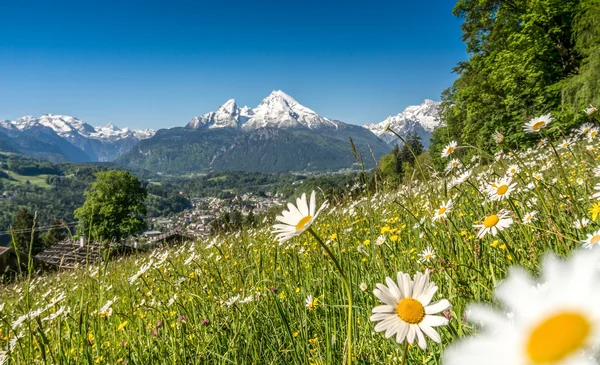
<point>155,64</point>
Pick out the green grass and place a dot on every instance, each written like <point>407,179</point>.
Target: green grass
<point>39,180</point>
<point>177,311</point>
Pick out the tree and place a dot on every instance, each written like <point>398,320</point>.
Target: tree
<point>22,226</point>
<point>521,53</point>
<point>114,207</point>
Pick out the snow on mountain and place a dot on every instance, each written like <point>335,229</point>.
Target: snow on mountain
<point>227,115</point>
<point>420,119</point>
<point>278,110</point>
<point>72,128</point>
<point>111,132</point>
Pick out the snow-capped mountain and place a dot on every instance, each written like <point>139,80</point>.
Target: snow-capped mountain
<point>278,110</point>
<point>111,132</point>
<point>227,115</point>
<point>420,119</point>
<point>70,127</point>
<point>67,138</point>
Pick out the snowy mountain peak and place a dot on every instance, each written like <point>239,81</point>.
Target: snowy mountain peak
<point>110,126</point>
<point>420,119</point>
<point>278,110</point>
<point>227,115</point>
<point>72,128</point>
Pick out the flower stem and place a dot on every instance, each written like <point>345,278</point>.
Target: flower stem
<point>346,289</point>
<point>405,353</point>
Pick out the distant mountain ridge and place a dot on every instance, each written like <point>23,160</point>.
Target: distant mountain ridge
<point>279,135</point>
<point>66,138</point>
<point>420,119</point>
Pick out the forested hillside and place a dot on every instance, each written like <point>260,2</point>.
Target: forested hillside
<point>54,191</point>
<point>527,58</point>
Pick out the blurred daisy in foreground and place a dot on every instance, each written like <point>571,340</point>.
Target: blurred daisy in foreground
<point>298,218</point>
<point>556,323</point>
<point>536,124</point>
<point>494,223</point>
<point>443,210</point>
<point>449,149</point>
<point>408,312</point>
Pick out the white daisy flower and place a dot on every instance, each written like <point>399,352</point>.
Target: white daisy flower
<point>380,240</point>
<point>427,254</point>
<point>297,218</point>
<point>536,124</point>
<point>453,164</point>
<point>498,137</point>
<point>591,110</point>
<point>501,189</point>
<point>512,170</point>
<point>311,302</point>
<point>449,149</point>
<point>581,223</point>
<point>592,133</point>
<point>443,210</point>
<point>591,240</point>
<point>529,217</point>
<point>584,128</point>
<point>493,224</point>
<point>564,144</point>
<point>408,311</point>
<point>557,325</point>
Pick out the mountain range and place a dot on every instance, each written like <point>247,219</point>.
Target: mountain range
<point>278,135</point>
<point>61,138</point>
<point>420,119</point>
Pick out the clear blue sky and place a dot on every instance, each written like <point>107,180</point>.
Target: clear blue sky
<point>157,64</point>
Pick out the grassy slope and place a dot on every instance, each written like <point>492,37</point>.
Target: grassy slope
<point>177,312</point>
<point>39,180</point>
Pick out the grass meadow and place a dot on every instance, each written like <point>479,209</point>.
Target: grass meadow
<point>244,298</point>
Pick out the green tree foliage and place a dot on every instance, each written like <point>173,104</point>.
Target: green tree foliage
<point>521,53</point>
<point>114,206</point>
<point>393,165</point>
<point>584,87</point>
<point>23,226</point>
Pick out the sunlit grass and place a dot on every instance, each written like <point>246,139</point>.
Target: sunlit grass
<point>241,298</point>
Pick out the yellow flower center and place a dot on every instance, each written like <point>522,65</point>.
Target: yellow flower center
<point>410,310</point>
<point>303,222</point>
<point>538,125</point>
<point>557,337</point>
<point>450,150</point>
<point>502,190</point>
<point>595,239</point>
<point>442,210</point>
<point>491,221</point>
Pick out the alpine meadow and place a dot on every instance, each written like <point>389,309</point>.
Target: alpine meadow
<point>463,231</point>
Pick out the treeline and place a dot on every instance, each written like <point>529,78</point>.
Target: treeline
<point>227,184</point>
<point>527,58</point>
